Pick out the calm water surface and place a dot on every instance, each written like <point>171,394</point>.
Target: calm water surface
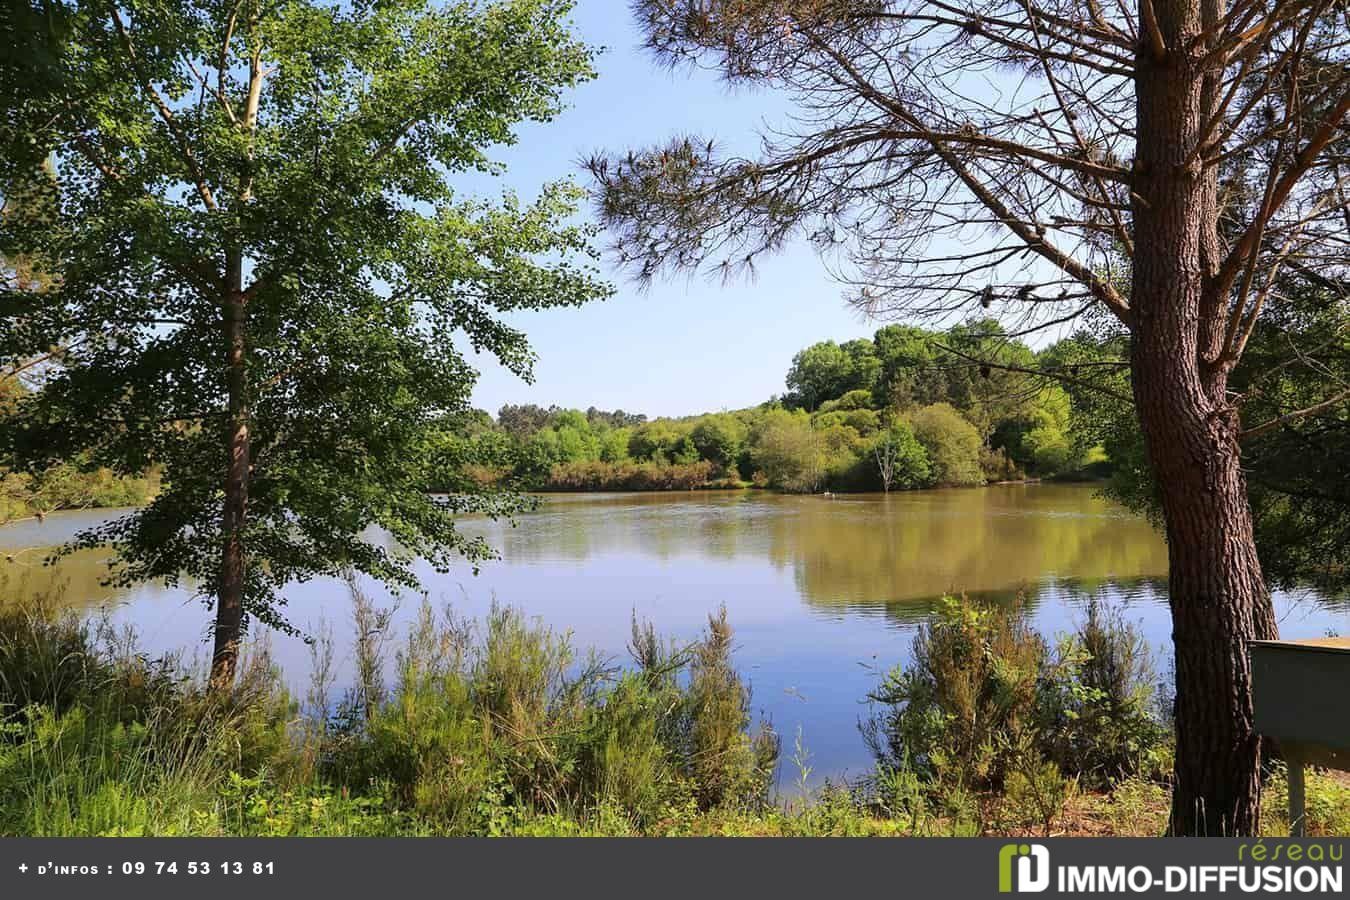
<point>824,594</point>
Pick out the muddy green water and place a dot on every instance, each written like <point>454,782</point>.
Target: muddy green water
<point>824,593</point>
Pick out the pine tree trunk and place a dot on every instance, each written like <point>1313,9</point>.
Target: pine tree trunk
<point>1217,593</point>
<point>230,592</point>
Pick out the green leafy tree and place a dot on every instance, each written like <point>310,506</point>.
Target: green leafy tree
<point>659,441</point>
<point>616,419</point>
<point>1295,468</point>
<point>902,461</point>
<point>981,364</point>
<point>614,445</point>
<point>952,444</point>
<point>264,273</point>
<point>853,400</point>
<point>787,451</point>
<point>577,442</point>
<point>909,375</point>
<point>1039,440</point>
<point>719,438</point>
<point>522,421</point>
<point>863,421</point>
<point>828,371</point>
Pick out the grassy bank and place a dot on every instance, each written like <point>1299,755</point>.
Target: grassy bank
<point>502,728</point>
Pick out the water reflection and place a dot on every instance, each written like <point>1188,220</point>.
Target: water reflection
<point>863,551</point>
<point>823,593</point>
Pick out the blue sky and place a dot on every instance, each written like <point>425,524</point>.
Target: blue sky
<point>683,346</point>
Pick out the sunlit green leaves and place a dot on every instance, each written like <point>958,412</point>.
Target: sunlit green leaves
<point>363,269</point>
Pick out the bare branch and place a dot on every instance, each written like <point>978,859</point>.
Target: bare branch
<point>1316,409</point>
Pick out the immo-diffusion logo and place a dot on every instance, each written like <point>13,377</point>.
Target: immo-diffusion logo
<point>1032,870</point>
<point>1294,868</point>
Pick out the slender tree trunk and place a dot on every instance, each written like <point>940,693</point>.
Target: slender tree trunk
<point>1217,593</point>
<point>230,592</point>
<point>234,517</point>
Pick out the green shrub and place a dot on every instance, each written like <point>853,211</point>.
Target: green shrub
<point>952,443</point>
<point>787,451</point>
<point>727,762</point>
<point>986,704</point>
<point>860,399</point>
<point>719,438</point>
<point>1097,717</point>
<point>968,696</point>
<point>487,735</point>
<point>900,462</point>
<point>998,466</point>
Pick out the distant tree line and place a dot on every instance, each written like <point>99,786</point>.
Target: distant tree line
<point>905,409</point>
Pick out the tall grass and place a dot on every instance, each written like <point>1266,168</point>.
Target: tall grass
<point>484,728</point>
<point>502,727</point>
<point>98,739</point>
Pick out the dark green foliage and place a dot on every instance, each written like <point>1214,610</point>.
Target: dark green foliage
<point>901,462</point>
<point>719,439</point>
<point>1098,716</point>
<point>910,375</point>
<point>967,697</point>
<point>826,371</point>
<point>976,429</point>
<point>1295,472</point>
<point>521,422</point>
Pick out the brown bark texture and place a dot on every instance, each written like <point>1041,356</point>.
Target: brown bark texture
<point>233,564</point>
<point>1218,597</point>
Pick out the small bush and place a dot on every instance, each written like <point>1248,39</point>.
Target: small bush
<point>998,466</point>
<point>1098,716</point>
<point>969,692</point>
<point>987,706</point>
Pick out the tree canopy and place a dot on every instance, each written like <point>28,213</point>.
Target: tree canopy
<point>1155,165</point>
<point>264,274</point>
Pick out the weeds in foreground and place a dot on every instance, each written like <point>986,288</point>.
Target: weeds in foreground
<point>491,728</point>
<point>502,728</point>
<point>990,723</point>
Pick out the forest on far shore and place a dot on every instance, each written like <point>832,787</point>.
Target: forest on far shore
<point>908,408</point>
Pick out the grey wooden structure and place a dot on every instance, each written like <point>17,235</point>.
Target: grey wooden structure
<point>1301,694</point>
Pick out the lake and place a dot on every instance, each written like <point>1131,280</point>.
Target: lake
<point>824,593</point>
